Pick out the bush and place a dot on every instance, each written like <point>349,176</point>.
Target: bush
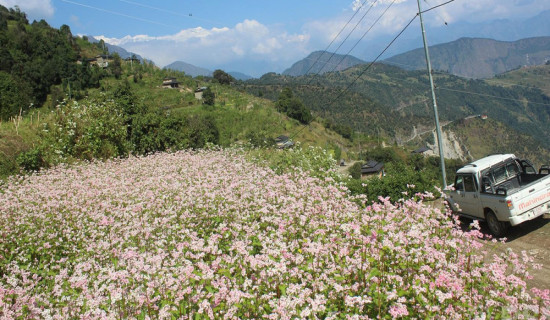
<point>31,160</point>
<point>91,129</point>
<point>401,181</point>
<point>208,97</point>
<point>293,107</point>
<point>355,170</point>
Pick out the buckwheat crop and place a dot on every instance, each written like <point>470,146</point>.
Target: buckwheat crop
<point>197,235</point>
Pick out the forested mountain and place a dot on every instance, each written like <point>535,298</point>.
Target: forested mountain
<point>478,58</point>
<point>320,62</point>
<point>35,57</point>
<point>189,69</point>
<point>64,99</point>
<point>396,103</point>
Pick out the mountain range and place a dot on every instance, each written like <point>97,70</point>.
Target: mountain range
<point>392,102</point>
<point>195,71</point>
<point>465,57</point>
<point>320,62</point>
<point>478,58</point>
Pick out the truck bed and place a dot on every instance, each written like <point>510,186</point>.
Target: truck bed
<point>514,184</point>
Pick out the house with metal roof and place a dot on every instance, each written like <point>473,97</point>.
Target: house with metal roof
<point>372,168</point>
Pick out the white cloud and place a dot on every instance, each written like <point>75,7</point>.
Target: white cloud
<point>272,48</point>
<point>35,9</point>
<point>210,48</point>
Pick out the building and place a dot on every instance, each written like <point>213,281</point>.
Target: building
<point>198,92</point>
<point>372,169</point>
<point>101,60</point>
<point>421,150</point>
<point>170,83</point>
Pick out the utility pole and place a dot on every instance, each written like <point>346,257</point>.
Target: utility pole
<point>436,115</point>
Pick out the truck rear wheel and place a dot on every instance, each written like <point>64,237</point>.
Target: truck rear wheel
<point>497,228</point>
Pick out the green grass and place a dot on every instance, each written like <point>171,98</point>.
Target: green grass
<point>238,115</point>
<point>536,76</point>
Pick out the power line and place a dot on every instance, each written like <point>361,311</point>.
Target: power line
<point>347,37</point>
<point>190,16</point>
<point>503,83</point>
<point>336,37</point>
<point>492,96</point>
<point>439,5</point>
<point>374,61</point>
<point>368,67</point>
<point>118,13</point>
<point>366,32</point>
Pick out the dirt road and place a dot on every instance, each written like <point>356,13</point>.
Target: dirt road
<point>534,238</point>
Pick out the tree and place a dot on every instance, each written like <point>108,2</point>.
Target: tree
<point>208,97</point>
<point>223,77</point>
<point>293,106</point>
<point>116,66</point>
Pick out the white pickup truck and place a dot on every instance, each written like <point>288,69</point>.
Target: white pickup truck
<point>502,190</point>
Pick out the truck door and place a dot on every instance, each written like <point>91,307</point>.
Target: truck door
<point>467,195</point>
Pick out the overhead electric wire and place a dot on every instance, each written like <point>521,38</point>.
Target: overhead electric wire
<point>374,61</point>
<point>336,37</point>
<point>345,39</point>
<point>502,83</point>
<point>492,96</point>
<point>118,13</point>
<point>439,5</point>
<point>368,67</point>
<point>190,16</point>
<point>366,32</point>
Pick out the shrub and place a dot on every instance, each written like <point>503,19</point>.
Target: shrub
<point>355,170</point>
<point>31,160</point>
<point>401,182</point>
<point>91,129</point>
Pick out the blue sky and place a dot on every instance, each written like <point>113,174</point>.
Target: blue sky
<point>255,36</point>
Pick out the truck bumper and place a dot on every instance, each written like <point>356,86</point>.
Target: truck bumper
<point>530,215</point>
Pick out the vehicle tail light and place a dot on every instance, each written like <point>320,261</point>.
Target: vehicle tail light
<point>510,204</point>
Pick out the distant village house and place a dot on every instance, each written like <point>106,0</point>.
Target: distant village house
<point>170,83</point>
<point>198,93</point>
<point>101,60</point>
<point>372,169</point>
<point>421,150</point>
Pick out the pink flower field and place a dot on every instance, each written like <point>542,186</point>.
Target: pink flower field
<point>209,235</point>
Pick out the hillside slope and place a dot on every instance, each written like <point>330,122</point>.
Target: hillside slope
<point>478,58</point>
<point>391,102</point>
<point>536,76</point>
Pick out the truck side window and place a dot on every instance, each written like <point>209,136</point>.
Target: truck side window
<point>459,186</point>
<point>469,183</point>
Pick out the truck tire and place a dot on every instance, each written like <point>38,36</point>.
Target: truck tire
<point>497,228</point>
